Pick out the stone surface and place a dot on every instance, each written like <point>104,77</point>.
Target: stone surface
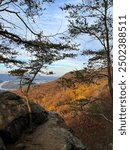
<point>20,146</point>
<point>2,146</point>
<point>14,116</point>
<point>53,135</point>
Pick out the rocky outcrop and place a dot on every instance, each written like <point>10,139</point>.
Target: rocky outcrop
<point>51,134</point>
<point>14,116</point>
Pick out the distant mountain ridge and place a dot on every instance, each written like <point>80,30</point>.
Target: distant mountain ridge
<point>8,82</point>
<point>6,77</point>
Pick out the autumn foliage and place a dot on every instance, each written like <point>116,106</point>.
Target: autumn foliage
<point>82,107</point>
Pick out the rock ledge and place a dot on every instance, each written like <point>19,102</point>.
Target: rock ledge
<point>51,132</point>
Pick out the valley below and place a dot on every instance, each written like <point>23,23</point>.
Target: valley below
<point>86,108</point>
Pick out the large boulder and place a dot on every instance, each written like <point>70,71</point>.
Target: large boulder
<point>52,135</point>
<point>14,116</point>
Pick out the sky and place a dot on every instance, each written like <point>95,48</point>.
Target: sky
<point>51,22</point>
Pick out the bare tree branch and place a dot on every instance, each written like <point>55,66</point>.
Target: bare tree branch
<point>17,14</point>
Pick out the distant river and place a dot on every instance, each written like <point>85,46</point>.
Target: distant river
<point>8,82</point>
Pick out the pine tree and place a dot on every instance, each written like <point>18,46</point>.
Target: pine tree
<point>94,19</point>
<point>40,49</point>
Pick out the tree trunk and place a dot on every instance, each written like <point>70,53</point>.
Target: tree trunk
<point>29,112</point>
<point>109,65</point>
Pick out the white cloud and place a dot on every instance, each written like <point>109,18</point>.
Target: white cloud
<point>67,62</point>
<point>63,66</point>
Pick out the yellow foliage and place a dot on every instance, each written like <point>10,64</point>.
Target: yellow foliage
<point>69,95</point>
<point>43,99</point>
<point>51,108</point>
<point>85,91</point>
<point>82,91</point>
